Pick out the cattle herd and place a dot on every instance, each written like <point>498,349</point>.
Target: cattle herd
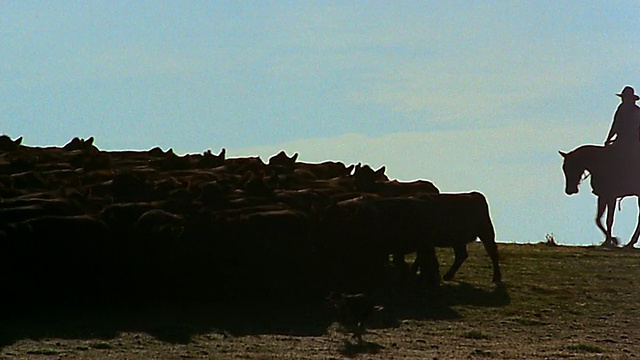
<point>79,222</point>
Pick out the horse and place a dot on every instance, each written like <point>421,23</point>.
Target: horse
<point>613,177</point>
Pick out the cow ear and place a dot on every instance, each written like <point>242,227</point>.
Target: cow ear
<point>294,157</point>
<point>18,141</point>
<point>563,154</point>
<point>381,170</point>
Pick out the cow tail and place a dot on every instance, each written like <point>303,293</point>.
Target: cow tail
<point>487,235</point>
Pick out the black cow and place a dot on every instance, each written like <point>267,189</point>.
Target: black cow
<point>403,225</point>
<point>79,144</point>
<point>454,221</point>
<point>7,144</point>
<point>209,160</point>
<point>347,244</point>
<point>59,250</point>
<point>364,177</point>
<point>282,160</point>
<point>323,171</point>
<point>375,181</point>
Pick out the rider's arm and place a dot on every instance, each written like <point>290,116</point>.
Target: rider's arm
<point>612,131</point>
<point>608,141</point>
<point>609,137</point>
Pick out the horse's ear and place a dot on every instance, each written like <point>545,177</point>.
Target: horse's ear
<point>563,154</point>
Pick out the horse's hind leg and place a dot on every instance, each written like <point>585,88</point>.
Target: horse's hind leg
<point>636,234</point>
<point>611,212</point>
<point>602,205</point>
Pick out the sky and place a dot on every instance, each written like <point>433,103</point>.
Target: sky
<point>472,95</point>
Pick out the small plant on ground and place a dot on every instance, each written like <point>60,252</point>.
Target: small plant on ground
<point>43,352</point>
<point>550,240</point>
<point>476,334</point>
<point>585,348</point>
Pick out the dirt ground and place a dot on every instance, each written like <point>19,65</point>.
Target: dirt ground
<point>556,303</point>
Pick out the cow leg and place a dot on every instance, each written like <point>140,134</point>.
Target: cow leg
<point>401,268</point>
<point>416,264</point>
<point>488,237</point>
<point>429,266</point>
<point>398,261</point>
<point>492,250</point>
<point>460,256</point>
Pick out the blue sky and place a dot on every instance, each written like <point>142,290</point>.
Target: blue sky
<point>471,95</point>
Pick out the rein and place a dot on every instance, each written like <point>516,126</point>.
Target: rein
<point>584,176</point>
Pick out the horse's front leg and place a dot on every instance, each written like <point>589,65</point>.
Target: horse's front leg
<point>609,205</point>
<point>611,212</point>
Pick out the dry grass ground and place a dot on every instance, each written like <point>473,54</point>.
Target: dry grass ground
<point>557,303</point>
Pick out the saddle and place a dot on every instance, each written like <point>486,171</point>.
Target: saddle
<point>622,164</point>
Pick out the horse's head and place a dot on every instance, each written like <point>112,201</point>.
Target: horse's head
<point>572,173</point>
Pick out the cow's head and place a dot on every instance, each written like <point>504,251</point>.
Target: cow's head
<point>364,176</point>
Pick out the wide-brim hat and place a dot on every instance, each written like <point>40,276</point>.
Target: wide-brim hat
<point>628,92</point>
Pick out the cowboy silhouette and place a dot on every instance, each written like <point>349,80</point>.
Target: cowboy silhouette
<point>623,140</point>
<point>626,122</point>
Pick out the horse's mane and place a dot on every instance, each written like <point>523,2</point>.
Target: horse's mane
<point>587,146</point>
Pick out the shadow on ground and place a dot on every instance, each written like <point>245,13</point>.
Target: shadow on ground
<point>352,349</point>
<point>179,322</point>
<point>437,305</point>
